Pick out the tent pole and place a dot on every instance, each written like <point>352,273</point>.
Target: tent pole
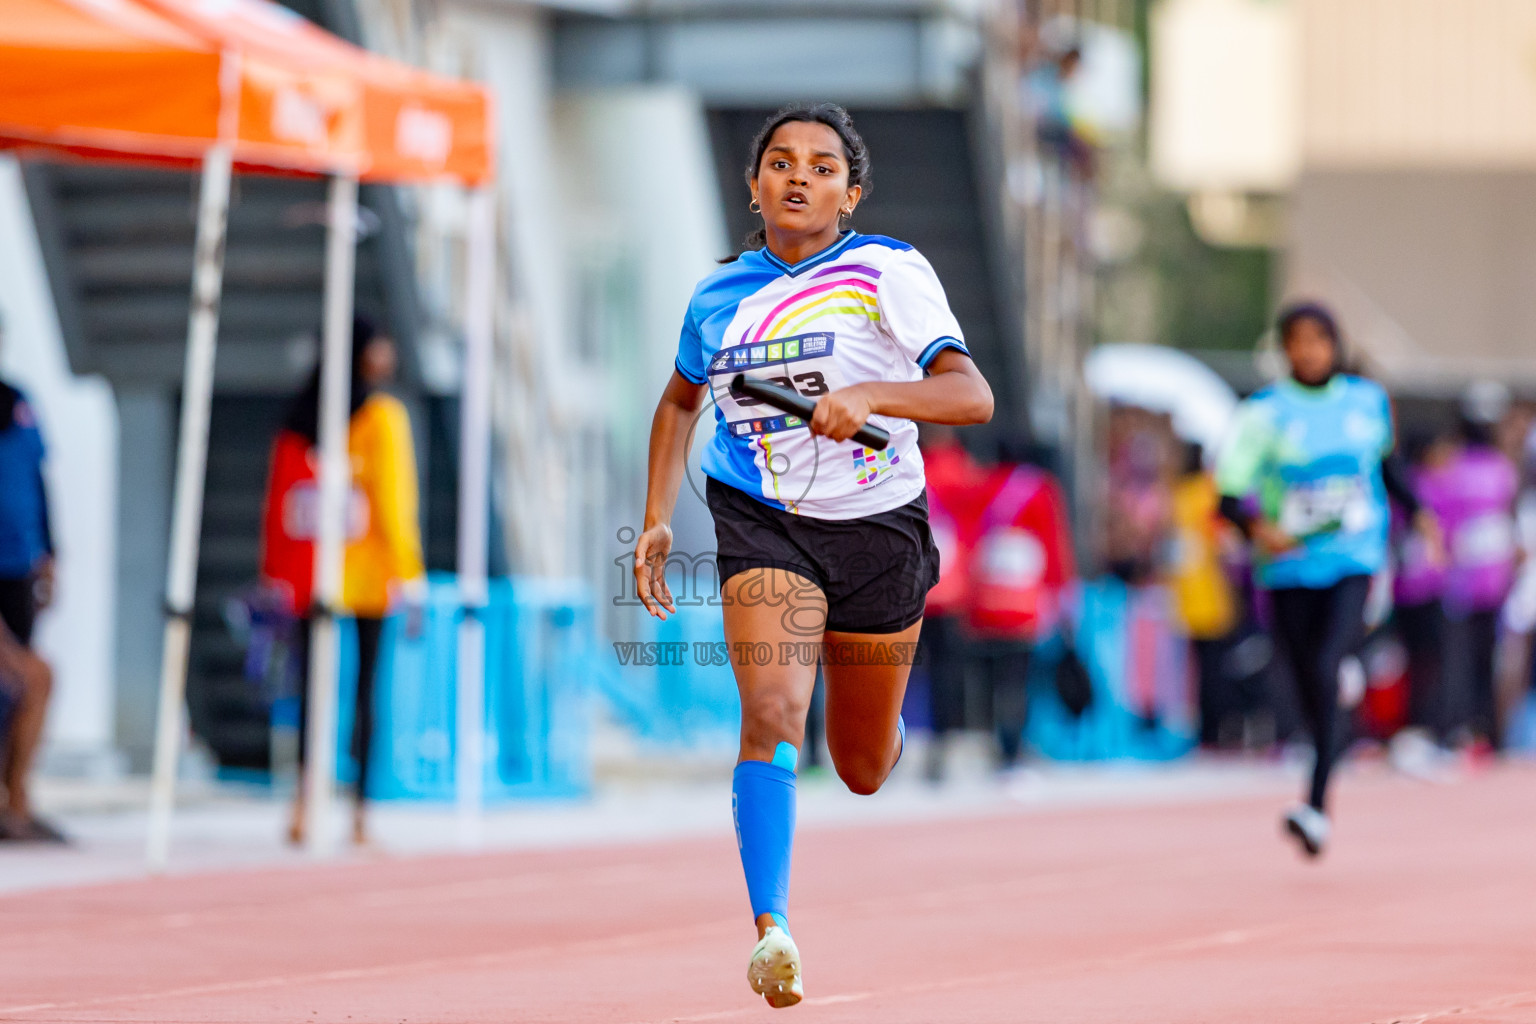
<point>474,503</point>
<point>187,514</point>
<point>334,480</point>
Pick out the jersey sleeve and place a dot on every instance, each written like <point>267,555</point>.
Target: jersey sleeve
<point>1247,449</point>
<point>914,311</point>
<point>690,349</point>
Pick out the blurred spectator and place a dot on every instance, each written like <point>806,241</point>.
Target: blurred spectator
<point>955,485</point>
<point>1520,608</point>
<point>1480,485</point>
<point>383,566</point>
<point>26,587</point>
<point>1046,87</point>
<point>1419,587</point>
<point>1021,565</point>
<point>1139,511</point>
<point>1203,597</point>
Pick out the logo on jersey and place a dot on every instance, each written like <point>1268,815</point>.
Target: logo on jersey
<point>757,428</point>
<point>870,465</point>
<point>746,357</point>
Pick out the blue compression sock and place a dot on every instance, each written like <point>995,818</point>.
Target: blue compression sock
<point>763,803</point>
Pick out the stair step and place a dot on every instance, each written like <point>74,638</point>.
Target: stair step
<point>147,264</point>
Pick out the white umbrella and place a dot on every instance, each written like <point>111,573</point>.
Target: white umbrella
<point>1165,380</point>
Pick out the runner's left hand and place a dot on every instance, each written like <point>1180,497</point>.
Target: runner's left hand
<point>1428,526</point>
<point>42,582</point>
<point>840,414</point>
<point>651,550</point>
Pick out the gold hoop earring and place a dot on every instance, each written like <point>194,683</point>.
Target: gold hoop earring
<point>754,206</point>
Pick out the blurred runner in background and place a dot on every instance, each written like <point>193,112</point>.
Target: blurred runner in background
<point>1418,586</point>
<point>1313,448</point>
<point>1478,516</point>
<point>26,588</point>
<point>383,568</point>
<point>1520,609</point>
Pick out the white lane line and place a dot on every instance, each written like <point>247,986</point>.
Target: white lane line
<point>1496,1003</point>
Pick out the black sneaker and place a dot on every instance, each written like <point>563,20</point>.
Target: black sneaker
<point>44,831</point>
<point>30,830</point>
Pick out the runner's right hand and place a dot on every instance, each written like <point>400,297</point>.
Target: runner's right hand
<point>651,550</point>
<point>1271,539</point>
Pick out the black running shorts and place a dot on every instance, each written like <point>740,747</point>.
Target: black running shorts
<point>875,571</point>
<point>18,607</point>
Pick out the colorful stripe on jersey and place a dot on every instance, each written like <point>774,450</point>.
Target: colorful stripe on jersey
<point>813,327</point>
<point>848,293</point>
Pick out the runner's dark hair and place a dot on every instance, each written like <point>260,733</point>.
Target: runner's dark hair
<point>829,114</point>
<point>1318,314</point>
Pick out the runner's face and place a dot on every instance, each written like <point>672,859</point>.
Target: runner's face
<point>379,361</point>
<point>802,181</point>
<point>1310,351</point>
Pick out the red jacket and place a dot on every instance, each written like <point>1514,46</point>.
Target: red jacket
<point>956,496</point>
<point>1023,555</point>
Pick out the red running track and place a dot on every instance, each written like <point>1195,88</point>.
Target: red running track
<point>1425,911</point>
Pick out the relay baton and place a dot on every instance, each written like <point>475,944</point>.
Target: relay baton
<point>787,400</point>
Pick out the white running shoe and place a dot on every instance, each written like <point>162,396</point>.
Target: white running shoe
<point>775,969</point>
<point>1310,827</point>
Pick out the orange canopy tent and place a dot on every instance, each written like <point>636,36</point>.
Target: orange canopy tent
<point>112,79</point>
<point>160,81</point>
<point>415,125</point>
<point>226,84</point>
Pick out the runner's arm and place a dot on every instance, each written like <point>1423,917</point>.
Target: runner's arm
<point>1399,488</point>
<point>954,393</point>
<point>671,430</point>
<point>670,433</point>
<point>1239,471</point>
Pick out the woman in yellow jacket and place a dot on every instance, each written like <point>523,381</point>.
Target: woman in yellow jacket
<point>383,568</point>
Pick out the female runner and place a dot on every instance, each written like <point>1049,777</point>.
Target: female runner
<point>818,539</point>
<point>1315,449</point>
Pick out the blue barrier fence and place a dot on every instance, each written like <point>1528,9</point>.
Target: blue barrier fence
<point>1143,707</point>
<point>691,699</point>
<point>539,635</point>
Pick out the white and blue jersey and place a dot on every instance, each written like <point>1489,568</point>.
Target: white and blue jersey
<point>1312,456</point>
<point>867,308</point>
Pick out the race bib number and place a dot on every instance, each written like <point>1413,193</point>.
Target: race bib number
<point>1488,539</point>
<point>1330,505</point>
<point>803,364</point>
